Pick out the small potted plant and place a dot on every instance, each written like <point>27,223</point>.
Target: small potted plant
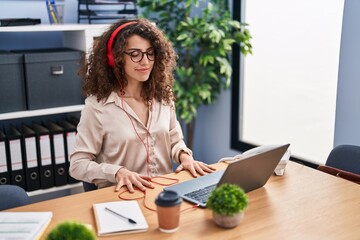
<point>228,202</point>
<point>71,230</point>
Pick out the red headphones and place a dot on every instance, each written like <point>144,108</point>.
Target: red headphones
<point>110,56</point>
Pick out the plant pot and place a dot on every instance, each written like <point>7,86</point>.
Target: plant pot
<point>228,221</point>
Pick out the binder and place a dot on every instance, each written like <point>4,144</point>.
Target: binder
<point>57,146</point>
<point>4,169</point>
<point>69,134</point>
<point>14,154</point>
<point>73,120</point>
<point>30,161</point>
<point>43,151</point>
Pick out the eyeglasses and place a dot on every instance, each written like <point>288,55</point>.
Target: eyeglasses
<point>137,55</point>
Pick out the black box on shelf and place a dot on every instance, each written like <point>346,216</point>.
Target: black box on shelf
<point>51,77</point>
<point>12,84</point>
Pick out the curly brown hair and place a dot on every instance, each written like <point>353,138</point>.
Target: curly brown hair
<point>100,79</point>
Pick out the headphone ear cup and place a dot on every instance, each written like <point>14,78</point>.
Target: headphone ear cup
<point>110,57</point>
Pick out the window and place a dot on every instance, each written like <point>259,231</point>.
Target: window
<point>285,92</point>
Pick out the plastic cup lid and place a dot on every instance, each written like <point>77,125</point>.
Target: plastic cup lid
<point>168,199</point>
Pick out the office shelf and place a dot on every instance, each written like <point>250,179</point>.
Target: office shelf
<point>96,10</point>
<point>40,112</point>
<point>75,36</point>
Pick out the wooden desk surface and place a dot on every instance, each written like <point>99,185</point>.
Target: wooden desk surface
<point>302,204</point>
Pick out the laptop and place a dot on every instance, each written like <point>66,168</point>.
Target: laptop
<point>250,173</point>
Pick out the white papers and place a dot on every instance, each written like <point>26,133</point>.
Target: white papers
<point>23,225</point>
<point>109,223</point>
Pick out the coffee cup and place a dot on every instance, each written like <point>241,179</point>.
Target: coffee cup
<point>168,210</point>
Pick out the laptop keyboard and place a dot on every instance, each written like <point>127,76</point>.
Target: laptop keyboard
<point>202,194</point>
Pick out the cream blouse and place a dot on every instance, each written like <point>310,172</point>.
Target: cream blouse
<point>107,140</point>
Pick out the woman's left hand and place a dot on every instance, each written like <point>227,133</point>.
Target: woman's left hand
<point>194,167</point>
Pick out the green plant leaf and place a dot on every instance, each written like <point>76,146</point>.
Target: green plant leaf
<point>227,199</point>
<point>71,230</point>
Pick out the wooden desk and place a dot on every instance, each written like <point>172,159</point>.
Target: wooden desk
<point>302,204</point>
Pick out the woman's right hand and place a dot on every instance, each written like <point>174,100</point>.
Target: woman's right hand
<point>130,179</point>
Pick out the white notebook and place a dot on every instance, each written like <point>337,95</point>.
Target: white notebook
<point>109,223</point>
<point>23,225</point>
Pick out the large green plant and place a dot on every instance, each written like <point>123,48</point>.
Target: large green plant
<point>203,34</point>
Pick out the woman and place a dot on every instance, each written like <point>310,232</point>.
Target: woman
<point>128,131</point>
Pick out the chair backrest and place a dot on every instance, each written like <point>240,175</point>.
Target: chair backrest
<point>89,186</point>
<point>12,196</point>
<point>345,157</point>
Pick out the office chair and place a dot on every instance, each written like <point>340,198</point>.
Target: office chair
<point>89,186</point>
<point>345,157</point>
<point>12,196</point>
<point>344,161</point>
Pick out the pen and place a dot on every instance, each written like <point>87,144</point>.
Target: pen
<point>118,214</point>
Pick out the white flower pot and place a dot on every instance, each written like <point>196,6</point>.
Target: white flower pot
<point>228,221</point>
